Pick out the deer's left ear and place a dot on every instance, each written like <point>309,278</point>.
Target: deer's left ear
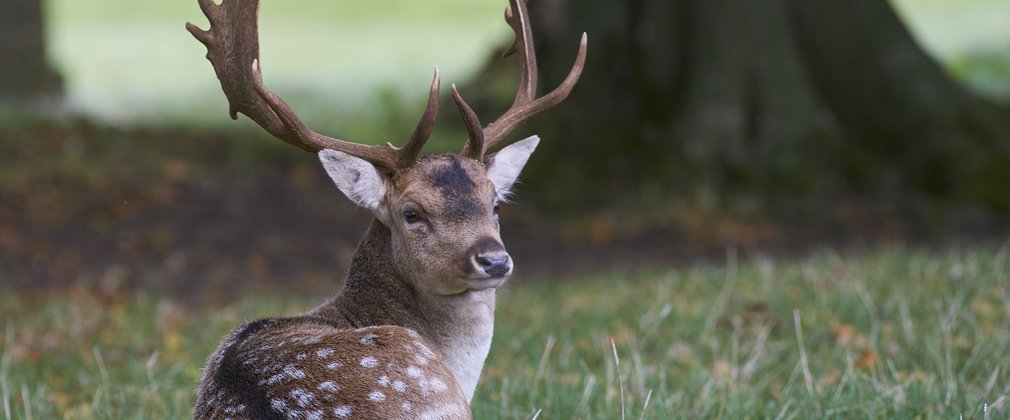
<point>503,167</point>
<point>359,180</point>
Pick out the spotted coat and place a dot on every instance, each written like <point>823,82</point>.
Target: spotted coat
<point>307,368</point>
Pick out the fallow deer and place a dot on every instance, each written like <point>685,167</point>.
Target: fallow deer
<point>408,334</point>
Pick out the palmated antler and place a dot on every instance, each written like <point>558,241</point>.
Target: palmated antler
<point>526,104</point>
<point>233,49</point>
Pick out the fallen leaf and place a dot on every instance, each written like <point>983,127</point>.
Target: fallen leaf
<point>867,359</point>
<point>844,334</point>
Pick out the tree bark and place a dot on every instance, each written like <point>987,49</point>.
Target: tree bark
<point>25,75</point>
<point>779,97</point>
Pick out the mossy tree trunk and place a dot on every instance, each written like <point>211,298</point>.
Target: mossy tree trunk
<point>779,97</point>
<point>25,75</point>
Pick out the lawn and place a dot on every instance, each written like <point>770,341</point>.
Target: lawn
<point>887,332</point>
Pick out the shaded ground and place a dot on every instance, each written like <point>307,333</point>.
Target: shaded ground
<point>211,215</point>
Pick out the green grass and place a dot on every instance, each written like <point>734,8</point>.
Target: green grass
<point>888,333</point>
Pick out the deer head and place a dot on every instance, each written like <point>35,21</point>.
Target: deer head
<point>441,210</point>
<point>442,213</point>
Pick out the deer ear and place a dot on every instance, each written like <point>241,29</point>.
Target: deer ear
<point>503,167</point>
<point>359,180</point>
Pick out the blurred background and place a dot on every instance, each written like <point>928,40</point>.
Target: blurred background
<point>701,130</point>
<point>770,125</point>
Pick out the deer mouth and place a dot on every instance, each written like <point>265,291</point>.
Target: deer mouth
<point>487,283</point>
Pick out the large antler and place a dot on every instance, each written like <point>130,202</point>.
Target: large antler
<point>526,104</point>
<point>233,49</point>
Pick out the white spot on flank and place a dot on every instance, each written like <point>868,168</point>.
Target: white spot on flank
<point>303,397</point>
<point>369,362</point>
<point>376,396</point>
<point>399,386</point>
<point>342,412</point>
<point>278,405</point>
<point>301,356</point>
<point>438,386</point>
<point>329,386</point>
<point>420,359</point>
<point>406,406</point>
<point>315,415</point>
<point>368,339</point>
<point>294,372</point>
<point>323,353</point>
<point>384,381</point>
<point>413,371</point>
<point>276,379</point>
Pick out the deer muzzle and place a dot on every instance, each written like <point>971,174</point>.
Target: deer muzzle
<point>487,259</point>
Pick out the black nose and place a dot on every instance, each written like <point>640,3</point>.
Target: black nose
<point>496,265</point>
<point>488,257</point>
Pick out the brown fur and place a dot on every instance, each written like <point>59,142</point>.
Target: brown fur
<point>309,369</point>
<point>409,327</point>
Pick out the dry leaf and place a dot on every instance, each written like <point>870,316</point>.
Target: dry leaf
<point>867,359</point>
<point>844,334</point>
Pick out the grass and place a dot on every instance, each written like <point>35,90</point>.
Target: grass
<point>891,332</point>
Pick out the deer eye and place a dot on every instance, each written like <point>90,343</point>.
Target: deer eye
<point>410,216</point>
<point>497,206</point>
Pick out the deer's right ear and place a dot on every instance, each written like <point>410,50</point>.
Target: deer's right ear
<point>359,180</point>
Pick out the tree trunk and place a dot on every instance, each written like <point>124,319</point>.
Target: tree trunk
<point>898,106</point>
<point>25,75</point>
<point>778,97</point>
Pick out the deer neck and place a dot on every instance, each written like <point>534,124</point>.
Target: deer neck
<point>460,327</point>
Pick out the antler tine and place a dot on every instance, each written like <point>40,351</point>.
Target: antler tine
<point>385,157</point>
<point>524,109</point>
<point>233,49</point>
<point>474,147</point>
<point>409,152</point>
<point>522,44</point>
<point>526,104</point>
